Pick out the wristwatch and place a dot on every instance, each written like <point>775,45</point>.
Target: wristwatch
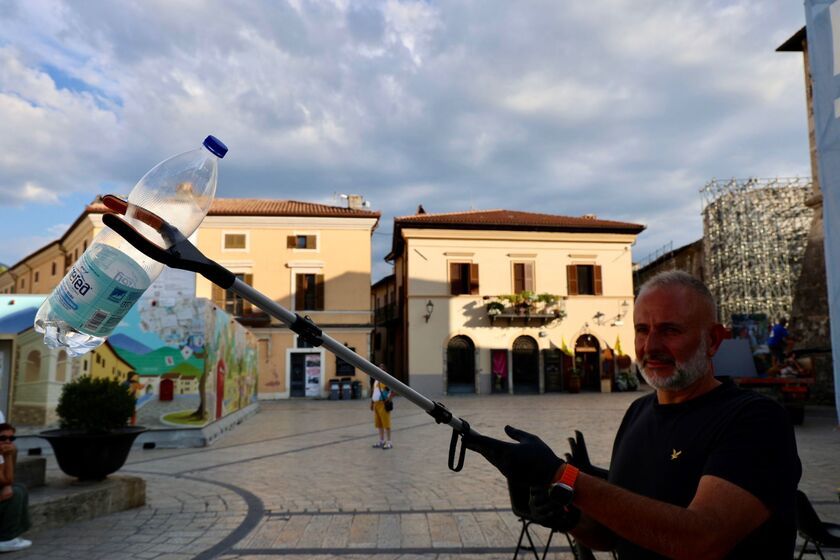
<point>562,491</point>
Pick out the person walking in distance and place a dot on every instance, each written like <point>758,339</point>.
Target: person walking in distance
<point>381,405</point>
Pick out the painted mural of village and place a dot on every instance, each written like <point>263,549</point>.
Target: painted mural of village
<point>187,362</point>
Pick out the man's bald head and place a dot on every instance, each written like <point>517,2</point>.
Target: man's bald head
<point>678,278</point>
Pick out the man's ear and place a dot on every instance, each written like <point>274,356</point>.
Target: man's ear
<point>717,334</point>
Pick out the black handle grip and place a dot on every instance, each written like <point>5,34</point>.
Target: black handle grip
<point>130,234</point>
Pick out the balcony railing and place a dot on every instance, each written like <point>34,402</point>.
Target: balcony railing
<point>537,310</point>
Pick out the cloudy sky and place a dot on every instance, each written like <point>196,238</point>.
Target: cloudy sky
<point>621,108</point>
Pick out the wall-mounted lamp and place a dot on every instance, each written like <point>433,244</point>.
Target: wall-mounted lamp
<point>622,312</point>
<point>599,317</point>
<point>430,307</point>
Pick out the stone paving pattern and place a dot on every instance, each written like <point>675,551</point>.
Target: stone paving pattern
<point>300,480</point>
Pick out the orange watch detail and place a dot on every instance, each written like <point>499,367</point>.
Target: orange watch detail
<point>568,476</point>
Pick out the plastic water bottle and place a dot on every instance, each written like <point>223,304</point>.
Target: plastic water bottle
<point>111,275</point>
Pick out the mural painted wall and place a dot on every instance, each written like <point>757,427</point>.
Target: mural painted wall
<point>187,362</point>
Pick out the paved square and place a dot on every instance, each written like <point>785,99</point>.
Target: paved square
<point>301,480</point>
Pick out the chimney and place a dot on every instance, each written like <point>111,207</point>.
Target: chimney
<point>420,209</point>
<point>355,201</point>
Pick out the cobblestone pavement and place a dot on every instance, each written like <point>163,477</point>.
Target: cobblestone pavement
<point>301,480</point>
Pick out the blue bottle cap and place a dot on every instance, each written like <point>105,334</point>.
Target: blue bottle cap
<point>216,146</point>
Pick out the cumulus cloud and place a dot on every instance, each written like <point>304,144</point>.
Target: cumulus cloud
<point>616,107</point>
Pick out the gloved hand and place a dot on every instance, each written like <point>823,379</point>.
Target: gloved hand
<point>580,457</point>
<point>549,513</point>
<point>530,462</point>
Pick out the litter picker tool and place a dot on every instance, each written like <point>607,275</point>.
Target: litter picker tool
<point>184,255</point>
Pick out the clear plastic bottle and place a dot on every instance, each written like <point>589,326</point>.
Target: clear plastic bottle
<point>111,275</point>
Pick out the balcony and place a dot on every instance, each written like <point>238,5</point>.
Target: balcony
<point>525,308</point>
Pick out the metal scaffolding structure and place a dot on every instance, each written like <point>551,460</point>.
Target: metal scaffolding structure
<point>755,232</point>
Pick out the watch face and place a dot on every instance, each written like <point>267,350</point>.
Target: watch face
<point>562,494</point>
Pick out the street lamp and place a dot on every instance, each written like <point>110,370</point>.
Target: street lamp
<point>430,307</point>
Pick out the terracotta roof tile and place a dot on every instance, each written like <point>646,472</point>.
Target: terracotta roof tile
<point>267,207</point>
<point>502,219</point>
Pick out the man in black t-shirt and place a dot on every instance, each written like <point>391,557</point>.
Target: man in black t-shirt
<point>700,468</point>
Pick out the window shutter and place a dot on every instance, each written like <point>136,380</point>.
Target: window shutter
<point>454,278</point>
<point>246,305</point>
<point>319,292</point>
<point>518,277</point>
<point>571,279</point>
<point>596,273</point>
<point>310,242</point>
<point>291,242</point>
<point>473,278</point>
<point>529,276</point>
<point>300,291</point>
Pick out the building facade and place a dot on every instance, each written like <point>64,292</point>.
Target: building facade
<point>310,258</point>
<point>506,301</point>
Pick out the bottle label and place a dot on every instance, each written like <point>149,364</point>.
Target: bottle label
<point>99,290</point>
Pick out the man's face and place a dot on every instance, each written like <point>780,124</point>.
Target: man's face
<point>675,337</point>
<point>5,443</point>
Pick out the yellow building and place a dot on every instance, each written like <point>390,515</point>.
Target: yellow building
<point>107,364</point>
<point>456,333</point>
<point>310,258</point>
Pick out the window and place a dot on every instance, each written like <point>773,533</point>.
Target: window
<point>231,302</point>
<point>301,242</point>
<point>523,277</point>
<point>584,279</point>
<point>23,283</point>
<point>236,241</point>
<point>36,276</point>
<point>53,269</point>
<point>309,291</point>
<point>463,278</point>
<point>32,371</point>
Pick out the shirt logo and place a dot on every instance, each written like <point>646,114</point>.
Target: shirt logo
<point>675,454</point>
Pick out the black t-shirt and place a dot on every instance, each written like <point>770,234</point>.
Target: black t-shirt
<point>662,451</point>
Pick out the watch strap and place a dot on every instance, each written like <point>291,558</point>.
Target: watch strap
<point>569,476</point>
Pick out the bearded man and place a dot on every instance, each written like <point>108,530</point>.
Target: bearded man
<point>699,468</point>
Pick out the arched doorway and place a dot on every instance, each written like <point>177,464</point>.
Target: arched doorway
<point>587,359</point>
<point>460,365</point>
<point>526,366</point>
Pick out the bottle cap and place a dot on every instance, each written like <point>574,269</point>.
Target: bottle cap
<point>216,146</point>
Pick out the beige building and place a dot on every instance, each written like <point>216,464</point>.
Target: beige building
<point>489,300</point>
<point>310,258</point>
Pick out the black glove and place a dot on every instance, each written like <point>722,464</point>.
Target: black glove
<point>580,457</point>
<point>549,513</point>
<point>529,462</point>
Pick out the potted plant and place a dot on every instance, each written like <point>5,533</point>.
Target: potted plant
<point>495,308</point>
<point>94,438</point>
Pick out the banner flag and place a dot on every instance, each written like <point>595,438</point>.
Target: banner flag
<point>564,348</point>
<point>823,31</point>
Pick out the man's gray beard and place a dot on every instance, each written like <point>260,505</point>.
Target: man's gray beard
<point>685,373</point>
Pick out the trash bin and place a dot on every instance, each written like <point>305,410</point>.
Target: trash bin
<point>335,390</point>
<point>346,389</point>
<point>356,388</point>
